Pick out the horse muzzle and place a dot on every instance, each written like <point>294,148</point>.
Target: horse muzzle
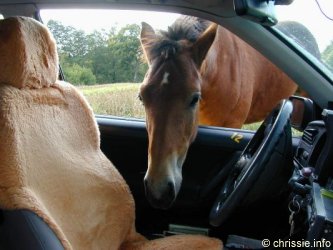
<point>161,196</point>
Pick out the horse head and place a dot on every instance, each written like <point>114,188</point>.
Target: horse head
<point>170,93</point>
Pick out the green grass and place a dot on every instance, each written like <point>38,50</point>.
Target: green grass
<point>251,126</point>
<point>121,99</point>
<point>255,126</point>
<point>115,99</point>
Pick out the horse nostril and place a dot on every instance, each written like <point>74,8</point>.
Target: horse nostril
<point>171,189</point>
<point>145,182</point>
<point>162,196</point>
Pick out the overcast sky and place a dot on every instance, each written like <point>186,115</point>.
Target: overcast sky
<point>308,13</point>
<point>89,20</point>
<point>304,11</point>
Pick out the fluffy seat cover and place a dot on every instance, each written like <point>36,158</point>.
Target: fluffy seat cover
<point>50,157</point>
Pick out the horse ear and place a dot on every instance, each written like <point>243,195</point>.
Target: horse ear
<point>202,45</point>
<point>147,37</point>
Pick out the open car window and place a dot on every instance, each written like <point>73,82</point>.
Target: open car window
<point>104,57</point>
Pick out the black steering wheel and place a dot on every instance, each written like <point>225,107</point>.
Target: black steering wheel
<point>252,162</point>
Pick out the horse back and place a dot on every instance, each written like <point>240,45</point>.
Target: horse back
<point>239,84</point>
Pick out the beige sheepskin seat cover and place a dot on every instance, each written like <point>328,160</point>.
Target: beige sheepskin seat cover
<point>50,157</point>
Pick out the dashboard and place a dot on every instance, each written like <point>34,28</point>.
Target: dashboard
<point>311,200</point>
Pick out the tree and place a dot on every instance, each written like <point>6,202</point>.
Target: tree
<point>106,56</point>
<point>126,47</point>
<point>69,40</point>
<point>327,55</point>
<point>78,75</point>
<point>103,64</point>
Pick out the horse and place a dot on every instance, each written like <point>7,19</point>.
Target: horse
<point>199,73</point>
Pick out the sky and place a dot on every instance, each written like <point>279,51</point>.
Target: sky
<point>89,20</point>
<point>304,11</point>
<point>308,13</point>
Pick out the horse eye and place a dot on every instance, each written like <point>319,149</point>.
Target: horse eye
<point>140,97</point>
<point>195,100</point>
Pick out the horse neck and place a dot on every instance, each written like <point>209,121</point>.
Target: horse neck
<point>220,74</point>
<point>222,58</point>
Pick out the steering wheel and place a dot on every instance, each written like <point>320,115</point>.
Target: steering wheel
<point>252,162</point>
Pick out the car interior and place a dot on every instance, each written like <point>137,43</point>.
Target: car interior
<point>59,189</point>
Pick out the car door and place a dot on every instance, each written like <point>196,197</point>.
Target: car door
<point>210,157</point>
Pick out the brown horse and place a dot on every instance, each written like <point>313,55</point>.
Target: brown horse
<point>199,73</point>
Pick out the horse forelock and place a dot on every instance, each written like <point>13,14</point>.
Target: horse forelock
<point>166,48</point>
<point>169,43</point>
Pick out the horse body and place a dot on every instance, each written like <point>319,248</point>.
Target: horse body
<point>191,63</point>
<point>239,85</point>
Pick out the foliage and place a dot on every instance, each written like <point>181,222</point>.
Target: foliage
<point>327,55</point>
<point>101,56</point>
<point>79,75</point>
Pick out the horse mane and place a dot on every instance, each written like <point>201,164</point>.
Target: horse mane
<point>167,43</point>
<point>186,27</point>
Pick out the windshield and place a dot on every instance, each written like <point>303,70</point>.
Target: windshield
<point>308,25</point>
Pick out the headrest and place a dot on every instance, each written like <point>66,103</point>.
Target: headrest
<point>28,54</point>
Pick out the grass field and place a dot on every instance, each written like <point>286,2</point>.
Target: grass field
<point>115,99</point>
<point>121,99</point>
